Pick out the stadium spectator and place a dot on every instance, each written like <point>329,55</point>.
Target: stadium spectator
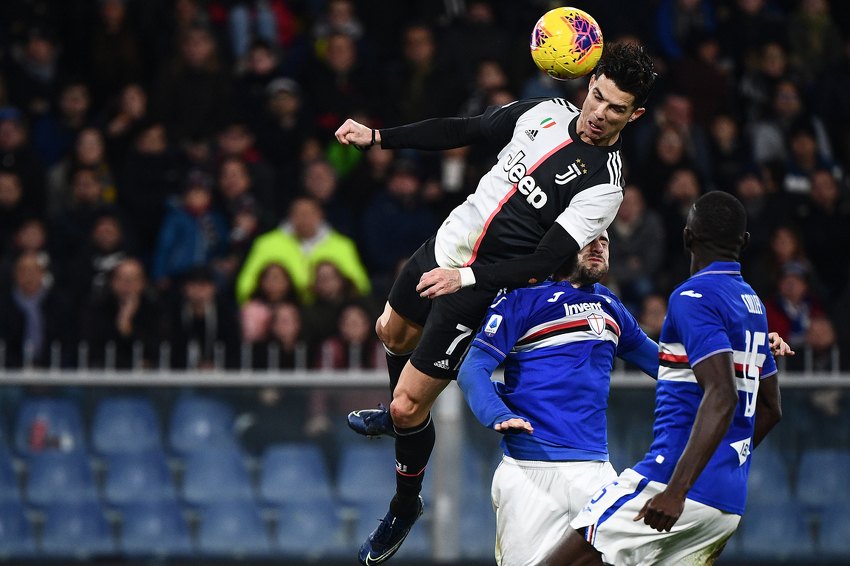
<point>14,210</point>
<point>320,182</point>
<point>678,20</point>
<point>115,58</point>
<point>815,39</point>
<point>748,27</point>
<point>284,348</point>
<point>31,237</point>
<point>262,67</point>
<point>668,156</point>
<point>299,244</point>
<point>193,94</point>
<point>71,227</point>
<point>476,34</point>
<point>236,140</point>
<point>805,157</point>
<point>55,133</point>
<point>205,331</point>
<point>87,277</point>
<point>396,222</point>
<point>34,316</point>
<point>759,82</point>
<point>791,310</point>
<point>16,156</point>
<point>681,192</point>
<point>247,19</point>
<point>35,78</point>
<point>701,76</point>
<point>193,233</point>
<point>273,288</point>
<point>729,155</point>
<point>637,249</point>
<point>125,121</point>
<point>150,174</point>
<point>652,312</point>
<point>89,151</point>
<point>125,326</point>
<point>331,292</point>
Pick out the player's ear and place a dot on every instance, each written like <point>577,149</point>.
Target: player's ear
<point>688,238</point>
<point>745,241</point>
<point>591,83</point>
<point>637,114</point>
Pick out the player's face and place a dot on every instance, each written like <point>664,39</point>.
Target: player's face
<point>605,112</point>
<point>592,262</point>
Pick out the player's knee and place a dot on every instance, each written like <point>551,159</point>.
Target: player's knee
<point>395,342</point>
<point>403,410</point>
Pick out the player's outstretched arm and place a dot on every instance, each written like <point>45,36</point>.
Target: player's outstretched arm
<point>481,396</point>
<point>355,133</point>
<point>768,408</point>
<point>434,134</point>
<point>716,377</point>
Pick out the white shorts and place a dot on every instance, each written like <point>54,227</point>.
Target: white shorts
<point>535,501</point>
<point>697,538</point>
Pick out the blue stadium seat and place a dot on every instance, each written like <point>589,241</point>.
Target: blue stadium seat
<point>138,476</point>
<point>60,477</point>
<point>77,530</point>
<point>292,472</point>
<point>48,423</point>
<point>478,528</point>
<point>417,545</point>
<point>125,424</point>
<point>768,479</point>
<point>366,473</point>
<point>8,476</point>
<point>823,478</point>
<point>198,422</point>
<point>233,528</point>
<point>834,540</point>
<point>155,528</point>
<point>16,540</point>
<point>776,531</point>
<point>216,474</point>
<point>311,529</point>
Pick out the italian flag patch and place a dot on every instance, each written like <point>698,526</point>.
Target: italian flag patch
<point>547,123</point>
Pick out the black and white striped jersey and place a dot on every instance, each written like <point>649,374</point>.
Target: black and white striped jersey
<point>545,174</point>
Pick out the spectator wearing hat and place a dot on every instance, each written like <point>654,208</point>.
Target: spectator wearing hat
<point>192,233</point>
<point>17,156</point>
<point>300,243</point>
<point>205,330</point>
<point>282,131</point>
<point>396,222</point>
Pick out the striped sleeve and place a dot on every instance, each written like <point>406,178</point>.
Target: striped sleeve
<point>591,212</point>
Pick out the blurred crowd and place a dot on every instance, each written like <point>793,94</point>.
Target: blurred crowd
<point>171,193</point>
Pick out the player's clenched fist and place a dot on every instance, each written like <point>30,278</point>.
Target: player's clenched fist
<point>355,133</point>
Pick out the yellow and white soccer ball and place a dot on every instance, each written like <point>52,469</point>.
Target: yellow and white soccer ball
<point>566,43</point>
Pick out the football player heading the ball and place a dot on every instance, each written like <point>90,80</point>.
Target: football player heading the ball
<point>557,185</point>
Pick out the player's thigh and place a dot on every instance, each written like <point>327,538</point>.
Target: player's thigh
<point>535,502</point>
<point>403,297</point>
<point>608,520</point>
<point>399,334</point>
<point>451,326</point>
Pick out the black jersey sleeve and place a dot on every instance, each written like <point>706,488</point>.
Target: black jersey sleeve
<point>433,134</point>
<point>556,246</point>
<point>498,122</point>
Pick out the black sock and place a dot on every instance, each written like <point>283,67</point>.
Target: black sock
<point>396,363</point>
<point>413,448</point>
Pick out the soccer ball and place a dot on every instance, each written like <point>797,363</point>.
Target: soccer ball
<point>566,43</point>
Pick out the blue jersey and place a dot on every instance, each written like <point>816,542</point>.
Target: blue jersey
<point>558,345</point>
<point>714,311</point>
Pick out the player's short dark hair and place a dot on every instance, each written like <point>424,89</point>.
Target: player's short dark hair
<point>631,69</point>
<point>720,218</point>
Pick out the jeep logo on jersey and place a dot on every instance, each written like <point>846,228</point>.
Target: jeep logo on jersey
<point>525,184</point>
<point>597,323</point>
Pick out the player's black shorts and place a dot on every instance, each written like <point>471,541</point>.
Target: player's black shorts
<point>450,322</point>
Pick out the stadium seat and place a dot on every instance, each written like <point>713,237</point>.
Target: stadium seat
<point>367,473</point>
<point>46,423</point>
<point>768,479</point>
<point>776,531</point>
<point>137,476</point>
<point>60,477</point>
<point>198,423</point>
<point>294,472</point>
<point>823,478</point>
<point>125,424</point>
<point>77,530</point>
<point>834,539</point>
<point>216,474</point>
<point>8,476</point>
<point>311,529</point>
<point>233,528</point>
<point>16,540</point>
<point>478,528</point>
<point>155,528</point>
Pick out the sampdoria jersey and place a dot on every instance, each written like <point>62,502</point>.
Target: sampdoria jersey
<point>545,174</point>
<point>554,332</point>
<point>712,312</point>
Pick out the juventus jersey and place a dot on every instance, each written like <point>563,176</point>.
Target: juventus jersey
<point>545,174</point>
<point>558,345</point>
<point>712,312</point>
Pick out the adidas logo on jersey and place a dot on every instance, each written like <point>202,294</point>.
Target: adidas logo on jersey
<point>531,134</point>
<point>442,364</point>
